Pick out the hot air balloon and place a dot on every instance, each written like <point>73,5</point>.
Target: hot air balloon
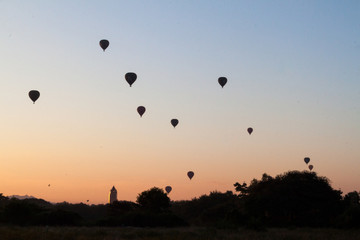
<point>250,130</point>
<point>222,81</point>
<point>311,167</point>
<point>49,185</point>
<point>306,160</point>
<point>174,122</point>
<point>130,77</point>
<point>168,189</point>
<point>141,110</point>
<point>104,44</point>
<point>87,200</point>
<point>34,95</point>
<point>190,174</point>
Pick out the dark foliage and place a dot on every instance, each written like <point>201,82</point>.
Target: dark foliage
<point>150,212</point>
<point>291,199</point>
<point>350,217</point>
<point>20,212</point>
<point>36,212</point>
<point>121,207</point>
<point>217,209</point>
<point>89,213</point>
<point>154,199</point>
<point>58,217</point>
<point>140,218</point>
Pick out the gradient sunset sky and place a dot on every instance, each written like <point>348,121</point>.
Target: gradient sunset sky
<point>293,70</point>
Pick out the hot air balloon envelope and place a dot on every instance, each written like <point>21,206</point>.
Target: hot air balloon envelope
<point>174,122</point>
<point>190,174</point>
<point>104,44</point>
<point>141,110</point>
<point>222,81</point>
<point>311,167</point>
<point>168,189</point>
<point>34,95</point>
<point>250,130</point>
<point>130,77</point>
<point>306,160</point>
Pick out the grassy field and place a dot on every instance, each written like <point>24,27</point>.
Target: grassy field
<point>101,233</point>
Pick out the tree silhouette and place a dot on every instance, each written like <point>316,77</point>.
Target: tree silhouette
<point>2,197</point>
<point>154,199</point>
<point>294,198</point>
<point>216,209</point>
<point>351,213</point>
<point>20,212</point>
<point>352,199</point>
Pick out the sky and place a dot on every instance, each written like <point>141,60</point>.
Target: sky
<point>293,72</point>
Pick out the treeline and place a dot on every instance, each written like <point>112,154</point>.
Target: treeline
<point>292,199</point>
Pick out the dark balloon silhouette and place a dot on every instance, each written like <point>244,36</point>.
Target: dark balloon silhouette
<point>104,44</point>
<point>222,81</point>
<point>141,110</point>
<point>311,167</point>
<point>49,185</point>
<point>168,189</point>
<point>306,160</point>
<point>174,122</point>
<point>87,200</point>
<point>190,174</point>
<point>130,77</point>
<point>34,95</point>
<point>250,130</point>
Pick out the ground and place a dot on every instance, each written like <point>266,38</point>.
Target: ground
<point>102,233</point>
